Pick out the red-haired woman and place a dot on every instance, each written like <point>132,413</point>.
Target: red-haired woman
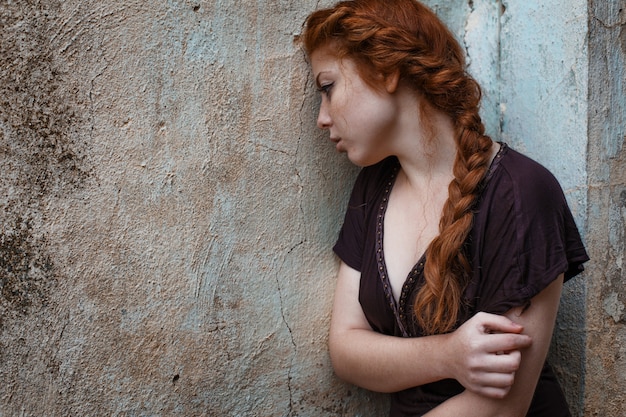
<point>454,248</point>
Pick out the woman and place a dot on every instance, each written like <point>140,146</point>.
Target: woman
<point>454,248</point>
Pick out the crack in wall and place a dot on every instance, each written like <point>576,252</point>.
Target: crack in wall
<point>621,18</point>
<point>500,105</point>
<point>293,344</point>
<point>92,105</point>
<point>482,44</point>
<point>609,25</point>
<point>304,96</point>
<point>295,246</point>
<point>468,58</point>
<point>300,182</point>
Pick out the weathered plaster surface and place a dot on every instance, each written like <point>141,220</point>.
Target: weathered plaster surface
<point>544,88</point>
<point>476,25</point>
<point>167,213</point>
<point>606,294</point>
<point>168,206</point>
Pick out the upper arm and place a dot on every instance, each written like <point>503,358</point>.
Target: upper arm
<point>538,321</point>
<point>347,316</point>
<point>347,313</point>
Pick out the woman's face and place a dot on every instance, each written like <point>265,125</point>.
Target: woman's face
<point>360,119</point>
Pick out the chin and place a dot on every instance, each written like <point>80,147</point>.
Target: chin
<point>362,162</point>
<point>356,161</point>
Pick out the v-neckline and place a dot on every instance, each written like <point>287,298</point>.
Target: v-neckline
<point>395,305</point>
<point>399,306</point>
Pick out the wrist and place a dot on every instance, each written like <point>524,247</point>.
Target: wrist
<point>443,355</point>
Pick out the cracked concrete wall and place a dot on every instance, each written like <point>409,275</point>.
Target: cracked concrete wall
<point>167,212</point>
<point>606,294</point>
<point>168,205</point>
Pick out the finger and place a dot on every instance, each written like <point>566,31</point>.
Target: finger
<point>494,363</point>
<point>493,392</point>
<point>497,380</point>
<point>494,323</point>
<point>510,361</point>
<point>507,342</point>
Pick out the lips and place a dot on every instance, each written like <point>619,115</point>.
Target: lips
<point>337,143</point>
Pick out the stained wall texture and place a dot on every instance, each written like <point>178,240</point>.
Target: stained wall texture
<point>167,205</point>
<point>167,212</point>
<point>606,294</point>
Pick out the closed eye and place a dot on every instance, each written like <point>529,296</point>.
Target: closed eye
<point>325,89</point>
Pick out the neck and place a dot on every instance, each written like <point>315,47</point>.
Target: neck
<point>425,146</point>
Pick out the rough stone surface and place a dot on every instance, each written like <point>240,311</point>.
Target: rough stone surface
<point>168,206</point>
<point>606,294</point>
<point>167,213</point>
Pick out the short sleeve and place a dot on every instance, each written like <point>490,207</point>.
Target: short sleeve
<point>368,188</point>
<point>349,245</point>
<point>525,237</point>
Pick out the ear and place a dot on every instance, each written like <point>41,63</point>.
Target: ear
<point>392,81</point>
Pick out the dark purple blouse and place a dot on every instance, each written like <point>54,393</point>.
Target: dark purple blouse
<point>523,237</point>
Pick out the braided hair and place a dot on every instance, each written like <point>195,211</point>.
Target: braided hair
<point>385,36</point>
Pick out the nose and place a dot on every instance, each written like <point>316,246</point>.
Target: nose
<point>323,118</point>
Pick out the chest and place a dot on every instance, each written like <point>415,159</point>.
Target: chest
<point>410,224</point>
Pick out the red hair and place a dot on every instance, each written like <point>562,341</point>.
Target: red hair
<point>385,36</point>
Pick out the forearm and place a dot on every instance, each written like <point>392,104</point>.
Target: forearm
<point>538,320</point>
<point>468,404</point>
<point>389,364</point>
<point>386,363</point>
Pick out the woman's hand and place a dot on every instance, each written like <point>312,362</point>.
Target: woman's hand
<point>484,354</point>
